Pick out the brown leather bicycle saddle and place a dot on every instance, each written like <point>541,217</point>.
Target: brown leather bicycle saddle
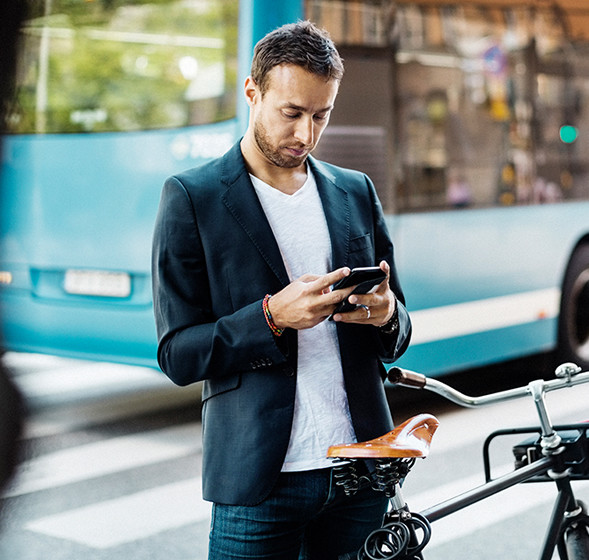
<point>410,439</point>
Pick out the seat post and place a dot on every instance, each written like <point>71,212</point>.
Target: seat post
<point>397,501</point>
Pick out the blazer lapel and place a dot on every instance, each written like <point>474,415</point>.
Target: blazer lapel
<point>336,206</point>
<point>243,203</point>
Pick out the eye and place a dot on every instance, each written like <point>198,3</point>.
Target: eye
<point>292,115</point>
<point>321,116</point>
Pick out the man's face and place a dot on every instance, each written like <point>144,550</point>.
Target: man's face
<point>290,117</point>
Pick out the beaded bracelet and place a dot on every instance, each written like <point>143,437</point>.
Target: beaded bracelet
<point>276,331</point>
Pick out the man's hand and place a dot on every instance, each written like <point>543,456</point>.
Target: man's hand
<point>308,300</point>
<point>376,308</point>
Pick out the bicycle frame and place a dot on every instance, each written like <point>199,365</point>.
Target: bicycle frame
<point>565,505</point>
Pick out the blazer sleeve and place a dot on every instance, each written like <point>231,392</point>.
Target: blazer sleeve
<point>193,343</point>
<point>391,346</point>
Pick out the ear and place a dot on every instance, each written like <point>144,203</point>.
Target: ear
<point>251,91</point>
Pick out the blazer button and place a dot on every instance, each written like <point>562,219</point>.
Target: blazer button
<point>288,371</point>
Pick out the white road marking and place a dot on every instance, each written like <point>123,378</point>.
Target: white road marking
<point>50,377</point>
<point>105,457</point>
<point>70,417</point>
<point>67,395</point>
<point>179,504</point>
<point>129,518</point>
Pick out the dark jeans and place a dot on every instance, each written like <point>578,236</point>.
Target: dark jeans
<point>306,517</point>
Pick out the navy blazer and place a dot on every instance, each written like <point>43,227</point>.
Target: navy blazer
<point>214,259</point>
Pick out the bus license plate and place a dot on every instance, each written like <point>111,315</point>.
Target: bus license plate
<point>97,283</point>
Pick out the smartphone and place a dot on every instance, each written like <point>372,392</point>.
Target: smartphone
<point>364,278</point>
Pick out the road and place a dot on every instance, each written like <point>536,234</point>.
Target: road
<point>112,469</point>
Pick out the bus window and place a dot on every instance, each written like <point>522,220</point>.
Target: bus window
<point>120,65</point>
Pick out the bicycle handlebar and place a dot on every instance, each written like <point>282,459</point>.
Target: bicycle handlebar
<point>568,375</point>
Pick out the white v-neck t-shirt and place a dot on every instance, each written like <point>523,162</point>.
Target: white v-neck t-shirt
<point>321,416</point>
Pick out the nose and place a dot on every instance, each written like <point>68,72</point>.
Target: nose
<point>304,131</point>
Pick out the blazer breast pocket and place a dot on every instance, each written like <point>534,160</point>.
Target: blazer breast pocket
<point>362,243</point>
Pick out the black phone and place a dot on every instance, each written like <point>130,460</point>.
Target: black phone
<point>364,278</point>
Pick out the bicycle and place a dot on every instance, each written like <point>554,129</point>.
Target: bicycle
<point>558,454</point>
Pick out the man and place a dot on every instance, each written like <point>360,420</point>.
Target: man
<point>246,249</point>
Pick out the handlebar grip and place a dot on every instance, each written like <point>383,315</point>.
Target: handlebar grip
<point>406,378</point>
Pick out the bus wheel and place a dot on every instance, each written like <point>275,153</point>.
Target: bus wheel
<point>573,324</point>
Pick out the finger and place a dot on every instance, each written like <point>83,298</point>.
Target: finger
<point>362,314</point>
<point>367,310</point>
<point>308,278</point>
<point>384,266</point>
<point>329,279</point>
<point>362,299</point>
<point>383,286</point>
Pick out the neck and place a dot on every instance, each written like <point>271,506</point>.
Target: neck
<point>285,179</point>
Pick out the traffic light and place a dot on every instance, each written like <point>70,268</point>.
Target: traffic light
<point>568,133</point>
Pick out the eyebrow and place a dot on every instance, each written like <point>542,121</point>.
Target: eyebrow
<point>304,109</point>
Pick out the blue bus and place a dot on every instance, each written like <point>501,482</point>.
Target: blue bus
<point>472,123</point>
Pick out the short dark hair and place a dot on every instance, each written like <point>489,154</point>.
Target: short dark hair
<point>302,44</point>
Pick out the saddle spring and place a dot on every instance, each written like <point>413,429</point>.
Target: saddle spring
<point>346,475</point>
<point>389,472</point>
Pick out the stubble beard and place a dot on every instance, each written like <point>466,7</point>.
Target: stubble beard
<point>272,154</point>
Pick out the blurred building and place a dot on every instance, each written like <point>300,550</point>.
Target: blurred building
<point>461,103</point>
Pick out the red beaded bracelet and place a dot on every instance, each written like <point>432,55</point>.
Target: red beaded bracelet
<point>276,331</point>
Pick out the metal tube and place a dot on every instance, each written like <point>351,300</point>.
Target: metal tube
<point>468,401</point>
<point>551,539</point>
<point>489,489</point>
<point>397,501</point>
<point>465,400</point>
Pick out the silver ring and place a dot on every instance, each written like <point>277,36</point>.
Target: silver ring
<point>367,311</point>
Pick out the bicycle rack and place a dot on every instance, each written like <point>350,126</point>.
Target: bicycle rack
<point>574,443</point>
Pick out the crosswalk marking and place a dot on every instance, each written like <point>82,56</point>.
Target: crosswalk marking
<point>67,394</point>
<point>105,457</point>
<point>130,518</point>
<point>86,379</point>
<point>75,416</point>
<point>124,518</point>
